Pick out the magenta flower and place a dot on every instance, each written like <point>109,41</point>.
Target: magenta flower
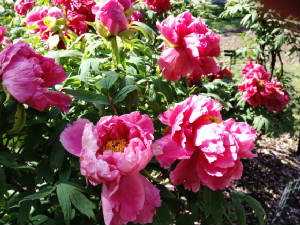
<point>36,18</point>
<point>110,13</point>
<point>258,90</point>
<point>209,149</point>
<point>27,76</point>
<point>23,6</point>
<point>159,6</point>
<point>3,39</point>
<point>197,44</point>
<point>113,152</point>
<point>136,16</point>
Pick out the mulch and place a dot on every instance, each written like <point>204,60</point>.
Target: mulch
<point>266,176</point>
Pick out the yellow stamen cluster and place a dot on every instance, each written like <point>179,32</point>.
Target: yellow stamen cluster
<point>212,119</point>
<point>117,145</point>
<point>260,83</point>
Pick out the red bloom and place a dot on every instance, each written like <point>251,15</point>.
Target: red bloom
<point>159,6</point>
<point>23,6</point>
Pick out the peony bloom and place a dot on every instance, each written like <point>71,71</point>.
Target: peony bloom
<point>77,12</point>
<point>36,19</point>
<point>3,39</point>
<point>258,90</point>
<point>113,152</point>
<point>159,6</point>
<point>23,6</point>
<point>209,148</point>
<point>197,44</point>
<point>111,17</point>
<point>136,16</point>
<point>27,76</point>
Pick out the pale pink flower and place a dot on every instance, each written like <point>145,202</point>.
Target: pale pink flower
<point>111,14</point>
<point>209,149</point>
<point>23,6</point>
<point>113,152</point>
<point>26,75</point>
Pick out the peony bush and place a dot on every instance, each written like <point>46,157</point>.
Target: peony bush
<point>106,119</point>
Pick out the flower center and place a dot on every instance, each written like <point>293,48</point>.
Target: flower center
<point>212,119</point>
<point>117,145</point>
<point>260,83</point>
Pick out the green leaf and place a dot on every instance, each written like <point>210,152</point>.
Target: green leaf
<point>2,182</point>
<point>213,205</point>
<point>240,211</point>
<point>121,95</point>
<point>45,191</point>
<point>108,81</point>
<point>87,67</point>
<point>20,120</point>
<point>258,209</point>
<point>88,96</point>
<point>84,205</point>
<point>146,30</point>
<point>63,193</point>
<point>8,160</point>
<point>184,220</point>
<point>24,212</point>
<point>53,41</point>
<point>70,53</point>
<point>163,216</point>
<point>57,157</point>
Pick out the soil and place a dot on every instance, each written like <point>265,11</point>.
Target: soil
<point>266,176</point>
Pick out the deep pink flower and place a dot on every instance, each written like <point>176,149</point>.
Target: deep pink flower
<point>3,39</point>
<point>276,98</point>
<point>258,90</point>
<point>113,152</point>
<point>159,6</point>
<point>23,6</point>
<point>197,45</point>
<point>210,149</point>
<point>136,16</point>
<point>36,19</point>
<point>110,13</point>
<point>76,22</point>
<point>27,76</point>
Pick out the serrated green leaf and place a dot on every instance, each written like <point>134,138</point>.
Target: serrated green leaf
<point>84,205</point>
<point>108,81</point>
<point>121,95</point>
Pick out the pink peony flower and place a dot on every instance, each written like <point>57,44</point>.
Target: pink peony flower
<point>3,39</point>
<point>23,6</point>
<point>210,149</point>
<point>159,6</point>
<point>113,152</point>
<point>197,45</point>
<point>36,19</point>
<point>136,16</point>
<point>27,76</point>
<point>110,13</point>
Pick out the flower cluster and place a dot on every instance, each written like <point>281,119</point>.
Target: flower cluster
<point>189,47</point>
<point>23,6</point>
<point>159,6</point>
<point>258,90</point>
<point>210,149</point>
<point>113,152</point>
<point>27,76</point>
<point>77,11</point>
